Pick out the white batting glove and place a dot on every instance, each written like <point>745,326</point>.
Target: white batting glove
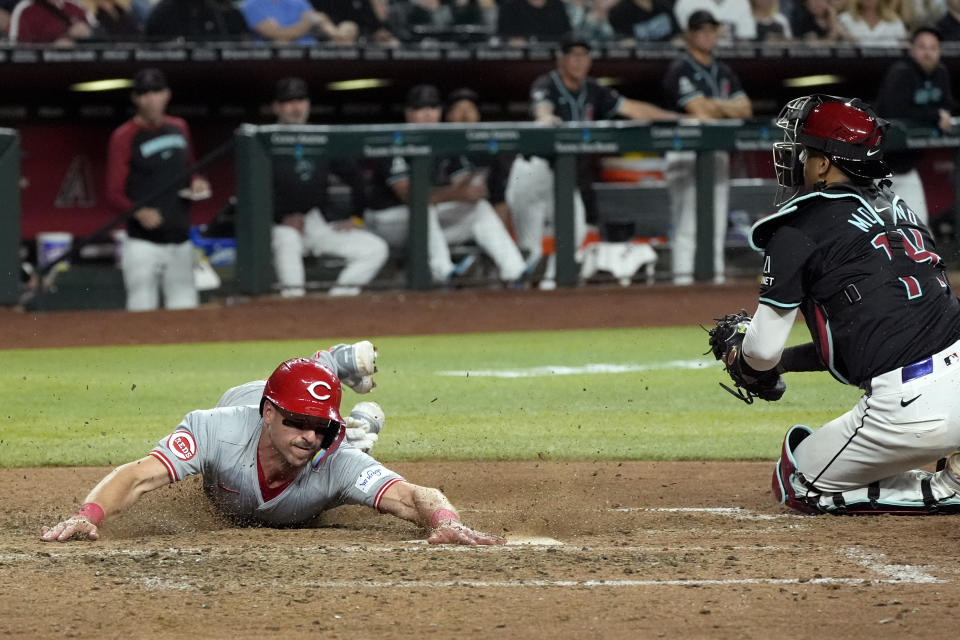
<point>358,437</point>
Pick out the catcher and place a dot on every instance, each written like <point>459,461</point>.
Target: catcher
<point>277,453</point>
<point>850,254</point>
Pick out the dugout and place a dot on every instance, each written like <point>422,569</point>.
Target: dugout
<point>218,86</point>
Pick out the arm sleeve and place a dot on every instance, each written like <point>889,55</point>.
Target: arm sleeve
<point>767,336</point>
<point>118,169</point>
<point>802,357</point>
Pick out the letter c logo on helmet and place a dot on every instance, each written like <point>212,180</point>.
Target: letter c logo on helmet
<point>306,387</point>
<point>312,390</point>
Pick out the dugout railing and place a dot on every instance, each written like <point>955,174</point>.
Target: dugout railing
<point>10,217</point>
<point>419,144</point>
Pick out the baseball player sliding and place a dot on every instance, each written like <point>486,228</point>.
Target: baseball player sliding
<point>855,258</point>
<point>277,453</point>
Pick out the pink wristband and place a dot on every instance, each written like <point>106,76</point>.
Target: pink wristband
<point>92,512</point>
<point>441,515</point>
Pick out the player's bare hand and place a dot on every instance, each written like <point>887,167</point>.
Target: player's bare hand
<point>148,217</point>
<point>72,529</point>
<point>456,533</point>
<point>200,187</point>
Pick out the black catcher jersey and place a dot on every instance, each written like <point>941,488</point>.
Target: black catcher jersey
<point>864,272</point>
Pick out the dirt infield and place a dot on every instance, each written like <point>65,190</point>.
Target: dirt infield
<point>598,549</point>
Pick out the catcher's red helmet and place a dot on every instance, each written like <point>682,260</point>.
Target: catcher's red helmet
<point>847,130</point>
<point>304,387</point>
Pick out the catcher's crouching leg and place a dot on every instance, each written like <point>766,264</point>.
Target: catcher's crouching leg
<point>915,492</point>
<point>788,487</point>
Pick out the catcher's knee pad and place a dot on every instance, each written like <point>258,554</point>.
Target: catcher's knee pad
<point>788,487</point>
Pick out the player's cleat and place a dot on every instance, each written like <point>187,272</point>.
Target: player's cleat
<point>463,267</point>
<point>787,486</point>
<point>340,291</point>
<point>356,364</point>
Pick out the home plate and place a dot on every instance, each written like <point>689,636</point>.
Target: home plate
<point>534,542</point>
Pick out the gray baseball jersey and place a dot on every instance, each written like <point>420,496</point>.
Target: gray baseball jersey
<point>221,444</point>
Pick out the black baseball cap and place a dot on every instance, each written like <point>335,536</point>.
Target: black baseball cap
<point>926,28</point>
<point>464,93</point>
<point>699,19</point>
<point>149,79</point>
<point>291,89</point>
<point>422,96</point>
<point>572,40</point>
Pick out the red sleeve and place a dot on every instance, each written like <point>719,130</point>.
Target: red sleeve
<point>118,167</point>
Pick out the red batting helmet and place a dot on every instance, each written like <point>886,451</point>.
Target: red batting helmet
<point>305,387</point>
<point>846,130</point>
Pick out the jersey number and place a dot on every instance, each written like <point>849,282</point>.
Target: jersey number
<point>913,247</point>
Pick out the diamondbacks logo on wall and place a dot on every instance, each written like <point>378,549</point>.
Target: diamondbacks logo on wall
<point>77,188</point>
<point>182,444</point>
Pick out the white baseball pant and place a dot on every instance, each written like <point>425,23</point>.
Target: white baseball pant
<point>392,224</point>
<point>529,196</point>
<point>909,187</point>
<point>682,187</point>
<point>149,267</point>
<point>904,423</point>
<point>364,252</point>
<point>454,222</point>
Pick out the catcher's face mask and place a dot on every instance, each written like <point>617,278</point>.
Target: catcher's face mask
<point>846,130</point>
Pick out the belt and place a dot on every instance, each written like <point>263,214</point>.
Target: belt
<point>916,370</point>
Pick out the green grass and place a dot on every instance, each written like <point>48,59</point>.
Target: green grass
<point>94,406</point>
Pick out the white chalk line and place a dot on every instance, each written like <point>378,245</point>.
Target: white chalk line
<point>173,584</point>
<point>587,369</point>
<point>895,572</point>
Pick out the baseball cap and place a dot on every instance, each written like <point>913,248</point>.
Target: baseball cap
<point>572,40</point>
<point>464,93</point>
<point>423,95</point>
<point>291,89</point>
<point>149,79</point>
<point>698,19</point>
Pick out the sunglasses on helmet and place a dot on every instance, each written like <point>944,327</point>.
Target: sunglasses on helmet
<point>320,426</point>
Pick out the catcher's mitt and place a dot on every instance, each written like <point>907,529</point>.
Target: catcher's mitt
<point>726,340</point>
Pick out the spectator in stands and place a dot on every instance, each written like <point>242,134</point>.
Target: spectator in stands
<point>195,20</point>
<point>644,20</point>
<point>916,89</point>
<point>917,13</point>
<point>707,89</point>
<point>772,26</point>
<point>458,211</point>
<point>115,20</point>
<point>816,21</point>
<point>6,10</point>
<point>735,16</point>
<point>565,94</point>
<point>369,18</point>
<point>58,22</point>
<point>591,19</point>
<point>287,21</point>
<point>524,21</point>
<point>150,152</point>
<point>463,105</point>
<point>418,20</point>
<point>303,223</point>
<point>873,22</point>
<point>949,24</point>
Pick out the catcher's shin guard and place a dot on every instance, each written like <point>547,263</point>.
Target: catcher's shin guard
<point>788,488</point>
